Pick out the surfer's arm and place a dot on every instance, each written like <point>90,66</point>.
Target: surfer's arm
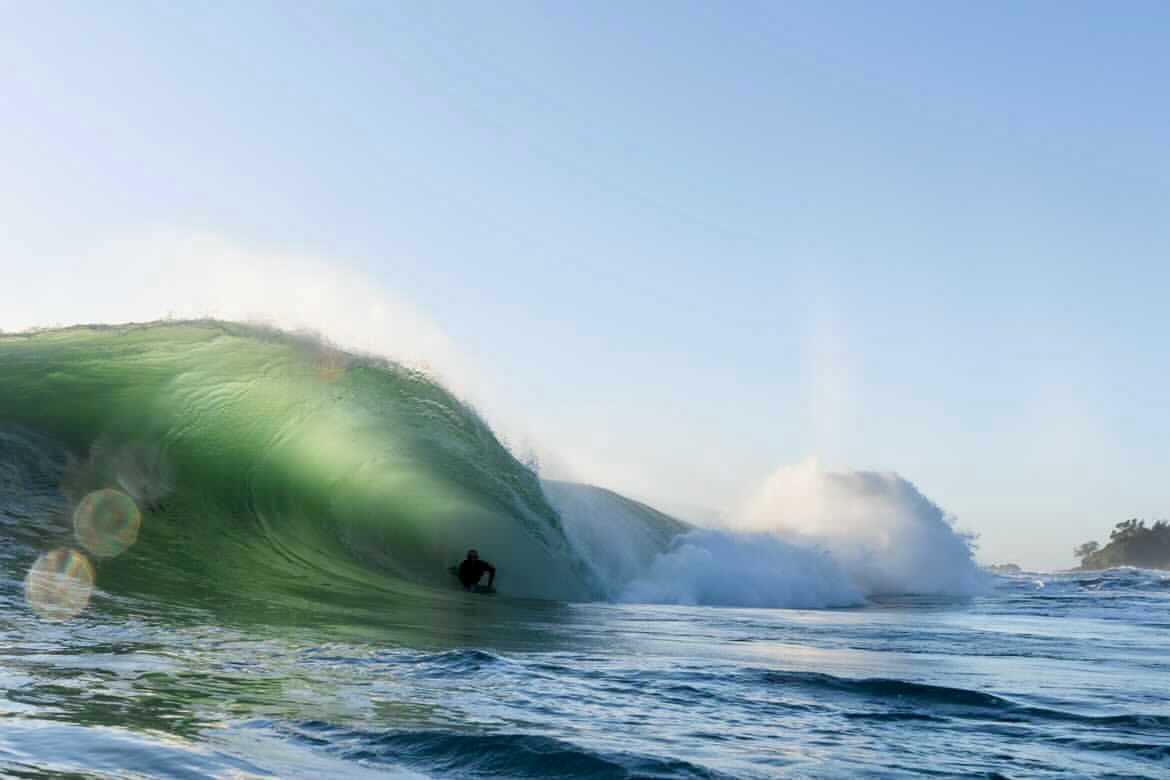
<point>491,570</point>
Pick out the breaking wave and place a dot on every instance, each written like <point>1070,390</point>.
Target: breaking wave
<point>260,461</point>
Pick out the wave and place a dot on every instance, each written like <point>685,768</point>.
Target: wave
<point>485,755</point>
<point>1120,578</point>
<point>257,461</point>
<point>940,701</point>
<point>258,456</point>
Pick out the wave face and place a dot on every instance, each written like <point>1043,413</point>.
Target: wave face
<point>260,458</point>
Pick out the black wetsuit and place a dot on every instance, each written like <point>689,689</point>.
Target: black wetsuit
<point>470,571</point>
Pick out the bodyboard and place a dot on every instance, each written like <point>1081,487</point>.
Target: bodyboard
<point>485,590</point>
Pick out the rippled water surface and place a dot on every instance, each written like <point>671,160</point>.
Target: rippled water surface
<point>1058,675</point>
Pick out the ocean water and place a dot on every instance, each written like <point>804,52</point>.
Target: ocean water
<point>225,555</point>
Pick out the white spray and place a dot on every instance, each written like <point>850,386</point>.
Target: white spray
<point>807,537</point>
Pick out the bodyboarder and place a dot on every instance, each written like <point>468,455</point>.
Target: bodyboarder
<point>472,569</point>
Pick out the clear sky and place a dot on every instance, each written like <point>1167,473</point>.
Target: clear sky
<point>684,243</point>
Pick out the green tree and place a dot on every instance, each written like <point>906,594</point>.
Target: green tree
<point>1131,543</point>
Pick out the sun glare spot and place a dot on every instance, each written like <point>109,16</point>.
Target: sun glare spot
<point>59,584</point>
<point>106,522</point>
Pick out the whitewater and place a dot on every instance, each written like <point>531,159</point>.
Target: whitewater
<point>226,552</point>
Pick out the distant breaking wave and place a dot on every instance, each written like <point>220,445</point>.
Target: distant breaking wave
<point>263,461</point>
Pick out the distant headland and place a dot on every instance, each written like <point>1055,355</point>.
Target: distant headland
<point>1131,543</point>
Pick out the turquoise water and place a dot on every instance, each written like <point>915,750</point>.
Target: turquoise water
<point>267,522</point>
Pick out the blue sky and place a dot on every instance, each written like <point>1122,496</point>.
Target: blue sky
<point>684,243</point>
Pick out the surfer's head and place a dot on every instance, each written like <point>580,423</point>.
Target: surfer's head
<point>472,555</point>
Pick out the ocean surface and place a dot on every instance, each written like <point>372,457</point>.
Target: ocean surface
<point>225,555</point>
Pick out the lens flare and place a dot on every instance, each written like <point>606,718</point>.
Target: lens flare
<point>106,522</point>
<point>59,584</point>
